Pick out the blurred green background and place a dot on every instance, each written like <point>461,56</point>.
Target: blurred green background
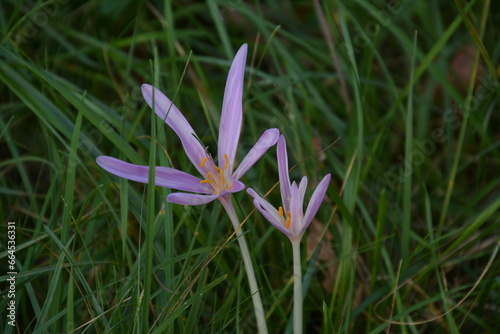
<point>399,100</point>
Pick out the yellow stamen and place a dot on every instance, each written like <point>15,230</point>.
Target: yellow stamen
<point>288,220</point>
<point>221,174</point>
<point>202,163</point>
<point>208,178</point>
<point>226,159</point>
<point>280,211</point>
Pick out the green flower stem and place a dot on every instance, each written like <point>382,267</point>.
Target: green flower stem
<point>297,288</point>
<point>227,203</point>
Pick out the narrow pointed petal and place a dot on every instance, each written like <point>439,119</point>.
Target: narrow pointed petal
<point>269,212</point>
<point>168,112</point>
<point>296,210</point>
<point>164,176</point>
<point>191,199</point>
<point>315,201</point>
<point>268,139</point>
<point>283,172</point>
<point>232,109</point>
<point>302,189</point>
<point>270,218</point>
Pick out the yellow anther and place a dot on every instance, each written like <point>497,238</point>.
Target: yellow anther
<point>280,211</point>
<point>221,173</point>
<point>288,220</point>
<point>208,180</point>
<point>226,163</point>
<point>202,163</point>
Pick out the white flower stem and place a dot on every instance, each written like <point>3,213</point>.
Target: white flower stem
<point>297,288</point>
<point>227,203</point>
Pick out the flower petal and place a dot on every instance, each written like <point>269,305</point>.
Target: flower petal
<point>302,188</point>
<point>164,176</point>
<point>168,112</point>
<point>315,201</point>
<point>268,139</point>
<point>269,212</point>
<point>269,218</point>
<point>191,199</point>
<point>296,210</point>
<point>232,109</point>
<point>297,206</point>
<point>237,186</point>
<point>283,172</point>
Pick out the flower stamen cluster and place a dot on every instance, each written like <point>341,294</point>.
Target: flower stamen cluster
<point>288,219</point>
<point>217,177</point>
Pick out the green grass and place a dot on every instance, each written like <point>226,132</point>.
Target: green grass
<point>398,102</point>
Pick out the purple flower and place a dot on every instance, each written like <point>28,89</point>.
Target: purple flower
<point>218,180</point>
<point>290,218</point>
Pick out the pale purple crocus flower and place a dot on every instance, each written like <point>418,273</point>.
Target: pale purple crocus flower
<point>292,221</point>
<point>217,180</point>
<point>290,217</point>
